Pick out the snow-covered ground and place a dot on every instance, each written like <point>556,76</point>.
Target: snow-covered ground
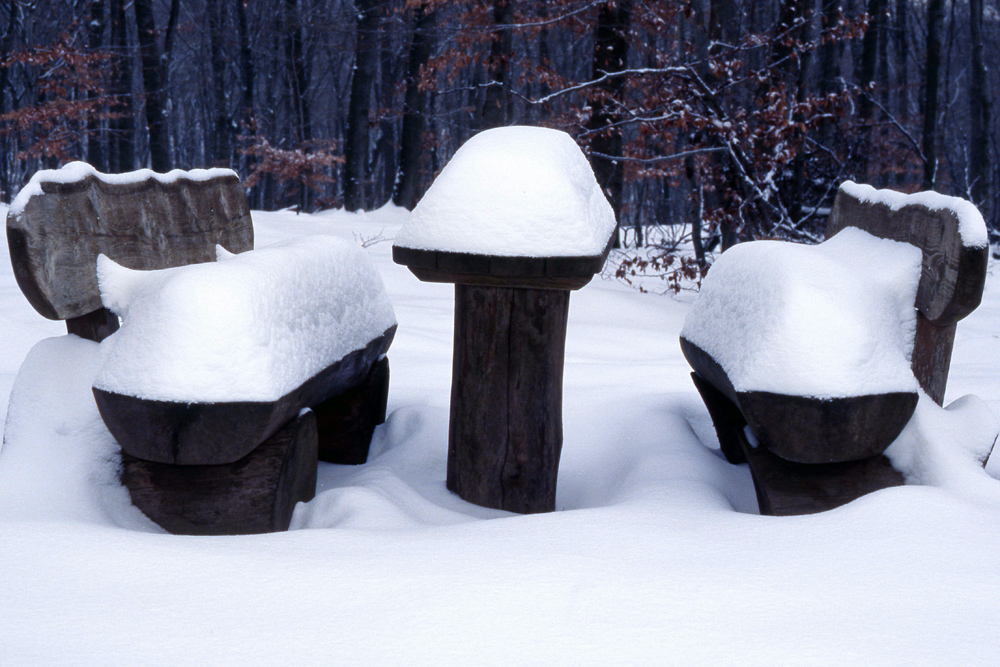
<point>656,555</point>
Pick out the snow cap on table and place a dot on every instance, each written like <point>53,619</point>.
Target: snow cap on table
<point>249,327</point>
<point>826,321</point>
<point>971,226</point>
<point>75,172</point>
<point>517,192</point>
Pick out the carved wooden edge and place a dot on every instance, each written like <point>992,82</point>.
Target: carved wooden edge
<point>38,225</point>
<point>345,423</point>
<point>218,433</point>
<point>256,494</point>
<point>784,488</point>
<point>951,286</point>
<point>567,273</point>
<point>811,430</point>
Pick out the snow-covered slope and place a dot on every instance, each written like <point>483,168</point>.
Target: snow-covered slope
<point>656,555</point>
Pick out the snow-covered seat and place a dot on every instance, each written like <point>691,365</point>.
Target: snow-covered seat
<point>814,354</point>
<point>204,386</point>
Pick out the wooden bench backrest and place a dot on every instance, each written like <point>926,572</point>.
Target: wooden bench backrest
<point>952,278</point>
<point>953,274</point>
<point>64,218</point>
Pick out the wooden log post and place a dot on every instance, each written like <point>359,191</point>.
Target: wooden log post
<point>505,432</point>
<point>505,429</point>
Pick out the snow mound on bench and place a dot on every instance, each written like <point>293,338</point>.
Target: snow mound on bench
<point>971,226</point>
<point>516,192</point>
<point>827,321</point>
<point>249,327</point>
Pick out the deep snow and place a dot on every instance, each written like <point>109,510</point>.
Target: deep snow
<point>656,555</point>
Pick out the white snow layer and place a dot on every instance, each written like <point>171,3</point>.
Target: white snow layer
<point>78,171</point>
<point>830,320</point>
<point>656,538</point>
<point>971,226</point>
<point>513,191</point>
<point>249,327</point>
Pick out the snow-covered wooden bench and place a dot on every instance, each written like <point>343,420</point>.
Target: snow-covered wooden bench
<point>809,358</point>
<point>204,385</point>
<point>516,220</point>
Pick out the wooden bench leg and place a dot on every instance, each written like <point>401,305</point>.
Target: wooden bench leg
<point>785,488</point>
<point>345,423</point>
<point>95,326</point>
<point>256,494</point>
<point>726,418</point>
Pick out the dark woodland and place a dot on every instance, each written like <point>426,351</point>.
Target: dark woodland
<point>737,118</point>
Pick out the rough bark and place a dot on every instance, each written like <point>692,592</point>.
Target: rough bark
<point>415,108</point>
<point>122,154</point>
<point>496,105</point>
<point>359,108</point>
<point>154,83</point>
<point>935,21</point>
<point>610,55</point>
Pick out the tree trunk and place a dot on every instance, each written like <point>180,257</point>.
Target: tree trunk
<point>610,55</point>
<point>246,79</point>
<point>299,83</point>
<point>6,93</point>
<point>979,171</point>
<point>359,111</point>
<point>153,81</point>
<point>866,78</point>
<point>220,139</point>
<point>122,154</point>
<point>496,106</point>
<point>95,40</point>
<point>935,21</point>
<point>407,187</point>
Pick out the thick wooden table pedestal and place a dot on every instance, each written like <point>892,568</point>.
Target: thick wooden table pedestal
<point>505,432</point>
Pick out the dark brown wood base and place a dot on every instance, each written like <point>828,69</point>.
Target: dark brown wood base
<point>785,488</point>
<point>505,434</point>
<point>220,433</point>
<point>345,423</point>
<point>256,494</point>
<point>804,429</point>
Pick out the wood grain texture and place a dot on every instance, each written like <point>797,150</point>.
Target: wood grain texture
<point>346,422</point>
<point>505,435</point>
<point>219,433</point>
<point>147,224</point>
<point>256,494</point>
<point>931,360</point>
<point>805,429</point>
<point>952,275</point>
<point>785,488</point>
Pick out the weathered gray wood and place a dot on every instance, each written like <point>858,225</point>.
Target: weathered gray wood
<point>952,275</point>
<point>785,488</point>
<point>346,422</point>
<point>256,494</point>
<point>931,360</point>
<point>147,224</point>
<point>505,435</point>
<point>219,433</point>
<point>805,429</point>
<point>95,326</point>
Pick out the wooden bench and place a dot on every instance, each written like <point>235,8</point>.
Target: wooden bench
<point>202,468</point>
<point>811,454</point>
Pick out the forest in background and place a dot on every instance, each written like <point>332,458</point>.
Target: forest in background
<point>738,118</point>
